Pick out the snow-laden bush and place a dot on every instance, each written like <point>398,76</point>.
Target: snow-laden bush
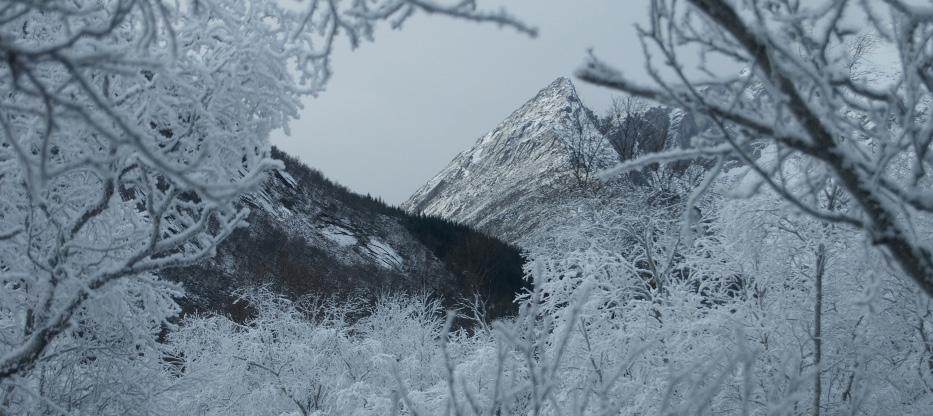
<point>693,346</point>
<point>312,356</point>
<point>756,310</point>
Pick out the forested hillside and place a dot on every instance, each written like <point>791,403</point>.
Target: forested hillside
<point>309,235</point>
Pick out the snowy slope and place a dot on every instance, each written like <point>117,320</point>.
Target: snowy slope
<point>306,234</point>
<point>496,185</point>
<point>517,182</point>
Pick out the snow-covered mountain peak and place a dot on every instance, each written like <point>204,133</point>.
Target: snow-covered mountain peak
<point>556,104</point>
<point>560,91</point>
<point>530,149</point>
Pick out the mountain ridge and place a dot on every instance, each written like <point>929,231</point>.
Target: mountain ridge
<point>308,235</point>
<point>530,149</point>
<point>529,174</point>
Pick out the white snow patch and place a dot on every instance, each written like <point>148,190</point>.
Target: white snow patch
<point>289,179</point>
<point>339,235</point>
<point>385,254</point>
<point>263,201</point>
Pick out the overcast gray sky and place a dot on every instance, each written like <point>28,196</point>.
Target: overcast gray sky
<point>398,110</point>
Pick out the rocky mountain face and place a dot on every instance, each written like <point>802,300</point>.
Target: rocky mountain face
<point>306,234</point>
<point>499,184</point>
<point>529,175</point>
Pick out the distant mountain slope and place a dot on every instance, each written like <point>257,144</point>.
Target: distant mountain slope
<point>306,234</point>
<point>497,184</point>
<point>534,172</point>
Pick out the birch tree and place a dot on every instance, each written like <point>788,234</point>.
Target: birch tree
<point>803,89</point>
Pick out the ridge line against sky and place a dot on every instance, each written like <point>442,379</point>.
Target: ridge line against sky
<point>399,109</point>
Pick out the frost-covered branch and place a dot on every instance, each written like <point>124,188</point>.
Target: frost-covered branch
<point>804,89</point>
<point>130,129</point>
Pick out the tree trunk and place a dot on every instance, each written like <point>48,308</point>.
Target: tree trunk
<point>818,329</point>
